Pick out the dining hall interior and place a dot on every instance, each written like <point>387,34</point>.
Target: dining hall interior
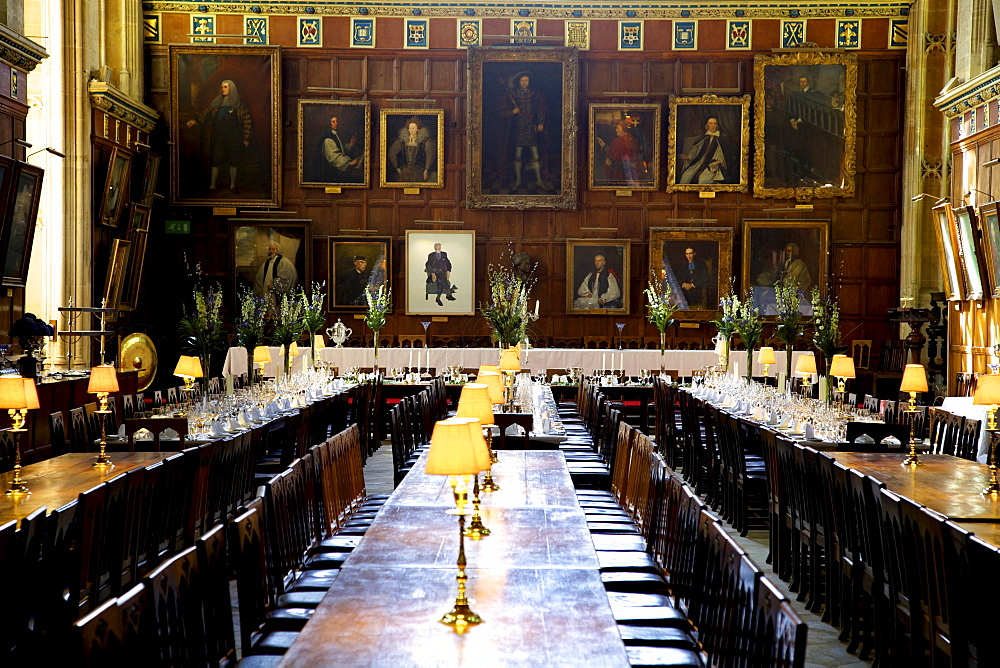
<point>681,312</point>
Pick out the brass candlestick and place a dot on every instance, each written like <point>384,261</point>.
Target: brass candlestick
<point>461,615</point>
<point>992,489</point>
<point>476,528</point>
<point>17,417</point>
<point>103,412</point>
<point>488,484</point>
<point>912,459</point>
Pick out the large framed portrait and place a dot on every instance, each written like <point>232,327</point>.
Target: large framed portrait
<point>271,257</point>
<point>695,263</point>
<point>624,147</point>
<point>357,265</point>
<point>969,251</point>
<point>804,125</point>
<point>597,272</point>
<point>114,194</point>
<point>20,209</point>
<point>411,154</point>
<point>989,230</point>
<point>522,128</point>
<point>225,125</point>
<point>706,143</point>
<point>440,272</point>
<point>784,252</point>
<point>138,233</point>
<point>947,242</point>
<point>117,264</point>
<point>333,143</point>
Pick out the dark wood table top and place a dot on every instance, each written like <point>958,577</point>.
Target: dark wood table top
<point>57,481</point>
<point>950,485</point>
<point>987,531</point>
<point>534,581</point>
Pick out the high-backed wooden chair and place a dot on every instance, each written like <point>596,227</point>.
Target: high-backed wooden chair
<point>57,432</point>
<point>599,342</point>
<point>565,342</point>
<point>861,351</point>
<point>411,340</point>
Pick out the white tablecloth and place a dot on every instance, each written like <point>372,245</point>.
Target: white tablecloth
<point>236,361</point>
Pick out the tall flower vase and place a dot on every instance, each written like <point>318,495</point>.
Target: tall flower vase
<point>288,359</point>
<point>788,363</point>
<point>749,364</point>
<point>828,362</point>
<point>206,360</point>
<point>27,365</point>
<point>375,345</point>
<point>663,352</point>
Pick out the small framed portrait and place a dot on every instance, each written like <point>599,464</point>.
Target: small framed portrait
<point>117,264</point>
<point>597,273</point>
<point>411,154</point>
<point>225,125</point>
<point>989,229</point>
<point>357,265</point>
<point>271,257</point>
<point>440,272</point>
<point>150,174</point>
<point>695,263</point>
<point>947,241</point>
<point>115,182</point>
<point>624,146</point>
<point>522,128</point>
<point>333,143</point>
<point>969,251</point>
<point>138,233</point>
<point>785,252</point>
<point>20,210</point>
<point>706,143</point>
<point>804,125</point>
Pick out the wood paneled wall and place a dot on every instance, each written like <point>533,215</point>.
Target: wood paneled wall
<point>864,229</point>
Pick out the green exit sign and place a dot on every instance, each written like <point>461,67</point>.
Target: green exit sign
<point>178,227</point>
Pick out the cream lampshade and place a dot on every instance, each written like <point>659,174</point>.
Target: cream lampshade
<point>767,356</point>
<point>318,342</point>
<point>475,427</point>
<point>509,360</point>
<point>188,367</point>
<point>12,395</point>
<point>474,402</point>
<point>488,367</point>
<point>261,355</point>
<point>805,364</point>
<point>842,366</point>
<point>492,380</point>
<point>293,350</point>
<point>103,380</point>
<point>988,394</point>
<point>914,379</point>
<point>31,395</point>
<point>453,450</point>
<point>18,395</point>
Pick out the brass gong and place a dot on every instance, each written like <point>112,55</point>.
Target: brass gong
<point>138,352</point>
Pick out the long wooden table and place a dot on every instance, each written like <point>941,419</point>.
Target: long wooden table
<point>57,481</point>
<point>535,580</point>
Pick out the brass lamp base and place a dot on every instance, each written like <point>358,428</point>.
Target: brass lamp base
<point>912,459</point>
<point>461,617</point>
<point>17,486</point>
<point>476,529</point>
<point>102,458</point>
<point>489,485</point>
<point>993,489</point>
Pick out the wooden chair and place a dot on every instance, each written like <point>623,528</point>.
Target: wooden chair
<point>631,342</point>
<point>965,384</point>
<point>156,426</point>
<point>447,341</point>
<point>651,342</point>
<point>78,430</point>
<point>118,633</point>
<point>967,444</point>
<point>386,340</point>
<point>861,351</point>
<point>57,432</point>
<point>598,342</point>
<point>565,342</point>
<point>411,340</point>
<point>128,406</point>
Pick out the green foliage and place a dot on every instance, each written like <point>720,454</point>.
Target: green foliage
<point>660,306</point>
<point>313,309</point>
<point>507,311</point>
<point>288,322</point>
<point>379,305</point>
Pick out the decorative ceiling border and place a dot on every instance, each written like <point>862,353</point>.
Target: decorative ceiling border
<point>961,97</point>
<point>107,98</point>
<point>554,10</point>
<point>19,51</point>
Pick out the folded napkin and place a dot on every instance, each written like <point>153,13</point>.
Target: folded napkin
<point>233,424</point>
<point>864,438</point>
<point>243,418</point>
<point>216,429</point>
<point>121,432</point>
<point>809,432</point>
<point>774,417</point>
<point>271,408</point>
<point>286,404</point>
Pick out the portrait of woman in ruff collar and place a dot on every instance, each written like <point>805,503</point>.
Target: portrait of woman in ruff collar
<point>412,148</point>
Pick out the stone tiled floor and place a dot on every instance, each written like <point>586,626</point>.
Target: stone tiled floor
<point>823,648</point>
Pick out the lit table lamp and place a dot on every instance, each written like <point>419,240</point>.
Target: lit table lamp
<point>318,345</point>
<point>988,394</point>
<point>474,402</point>
<point>766,358</point>
<point>488,367</point>
<point>510,365</point>
<point>18,395</point>
<point>453,453</point>
<point>914,380</point>
<point>188,368</point>
<point>492,380</point>
<point>103,381</point>
<point>842,368</point>
<point>476,529</point>
<point>805,366</point>
<point>261,356</point>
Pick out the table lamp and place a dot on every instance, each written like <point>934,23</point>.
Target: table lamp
<point>188,368</point>
<point>988,394</point>
<point>842,368</point>
<point>261,356</point>
<point>510,365</point>
<point>293,350</point>
<point>491,379</point>
<point>914,380</point>
<point>805,366</point>
<point>18,395</point>
<point>488,367</point>
<point>474,402</point>
<point>766,358</point>
<point>103,381</point>
<point>476,529</point>
<point>317,345</point>
<point>453,453</point>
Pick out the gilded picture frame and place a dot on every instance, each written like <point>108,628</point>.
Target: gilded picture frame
<point>231,142</point>
<point>989,230</point>
<point>115,191</point>
<point>114,278</point>
<point>350,277</point>
<point>947,242</point>
<point>334,156</point>
<point>696,263</point>
<point>20,212</point>
<point>969,251</point>
<point>138,234</point>
<point>793,252</point>
<point>511,162</point>
<point>805,120</point>
<point>698,160</point>
<point>623,146</point>
<point>411,152</point>
<point>452,252</point>
<point>251,242</point>
<point>587,292</point>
